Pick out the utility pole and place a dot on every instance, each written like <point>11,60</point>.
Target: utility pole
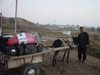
<point>54,25</point>
<point>0,24</point>
<point>16,17</point>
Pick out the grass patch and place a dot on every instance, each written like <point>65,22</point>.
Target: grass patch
<point>7,27</point>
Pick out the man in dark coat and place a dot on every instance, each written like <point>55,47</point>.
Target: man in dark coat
<point>83,40</point>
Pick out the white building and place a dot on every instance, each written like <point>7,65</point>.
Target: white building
<point>67,32</point>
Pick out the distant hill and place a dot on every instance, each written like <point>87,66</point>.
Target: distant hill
<point>22,25</point>
<point>27,26</point>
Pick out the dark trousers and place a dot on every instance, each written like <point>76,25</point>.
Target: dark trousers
<point>82,50</point>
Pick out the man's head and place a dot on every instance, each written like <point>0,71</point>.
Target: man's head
<point>82,29</point>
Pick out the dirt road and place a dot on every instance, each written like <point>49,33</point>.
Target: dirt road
<point>91,67</point>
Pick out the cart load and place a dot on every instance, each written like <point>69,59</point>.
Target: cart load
<point>20,44</point>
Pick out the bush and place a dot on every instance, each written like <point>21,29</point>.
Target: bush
<point>94,51</point>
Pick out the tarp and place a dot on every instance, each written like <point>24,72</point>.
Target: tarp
<point>22,38</point>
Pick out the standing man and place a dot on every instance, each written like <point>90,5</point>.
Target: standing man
<point>83,40</point>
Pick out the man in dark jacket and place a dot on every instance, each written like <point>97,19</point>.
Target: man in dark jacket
<point>83,40</point>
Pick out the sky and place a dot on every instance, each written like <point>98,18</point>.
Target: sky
<point>61,12</point>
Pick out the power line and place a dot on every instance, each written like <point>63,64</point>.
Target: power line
<point>8,6</point>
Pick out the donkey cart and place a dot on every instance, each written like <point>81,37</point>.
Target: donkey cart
<point>26,63</point>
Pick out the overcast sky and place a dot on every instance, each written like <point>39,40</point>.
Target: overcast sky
<point>77,12</point>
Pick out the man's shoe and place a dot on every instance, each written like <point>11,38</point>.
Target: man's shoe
<point>84,62</point>
<point>79,60</point>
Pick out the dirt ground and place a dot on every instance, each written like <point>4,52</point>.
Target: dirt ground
<point>91,67</point>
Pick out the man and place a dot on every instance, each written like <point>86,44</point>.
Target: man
<point>83,40</point>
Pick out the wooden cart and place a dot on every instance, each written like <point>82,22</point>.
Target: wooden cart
<point>26,62</point>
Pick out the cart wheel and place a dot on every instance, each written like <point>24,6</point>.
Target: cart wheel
<point>30,69</point>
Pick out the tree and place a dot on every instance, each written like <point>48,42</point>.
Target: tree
<point>92,29</point>
<point>98,29</point>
